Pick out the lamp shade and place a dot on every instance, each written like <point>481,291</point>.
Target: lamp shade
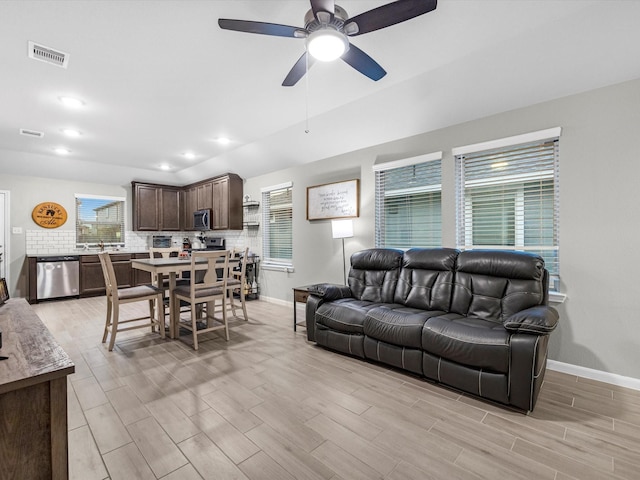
<point>342,228</point>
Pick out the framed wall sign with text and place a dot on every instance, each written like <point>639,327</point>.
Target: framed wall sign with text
<point>333,200</point>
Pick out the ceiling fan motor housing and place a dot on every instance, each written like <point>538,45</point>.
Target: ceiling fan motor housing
<point>311,23</point>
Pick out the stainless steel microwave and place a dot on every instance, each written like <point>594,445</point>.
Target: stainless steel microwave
<point>202,219</point>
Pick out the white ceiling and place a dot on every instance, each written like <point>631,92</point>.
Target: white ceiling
<point>160,78</point>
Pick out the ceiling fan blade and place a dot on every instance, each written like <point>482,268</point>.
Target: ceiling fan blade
<point>298,71</point>
<point>262,28</point>
<point>328,6</point>
<point>387,15</point>
<point>363,63</point>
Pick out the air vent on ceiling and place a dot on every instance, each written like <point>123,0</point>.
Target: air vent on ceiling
<point>31,133</point>
<point>48,55</point>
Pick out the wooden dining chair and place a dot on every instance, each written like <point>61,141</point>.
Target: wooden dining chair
<point>204,294</point>
<point>237,279</point>
<point>118,296</point>
<point>166,252</point>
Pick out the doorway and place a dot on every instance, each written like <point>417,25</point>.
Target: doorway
<point>4,233</point>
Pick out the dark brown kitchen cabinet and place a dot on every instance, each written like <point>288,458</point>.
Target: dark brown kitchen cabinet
<point>166,208</point>
<point>204,194</point>
<point>191,205</point>
<point>170,209</point>
<point>92,278</point>
<point>227,203</point>
<point>146,207</point>
<point>156,207</point>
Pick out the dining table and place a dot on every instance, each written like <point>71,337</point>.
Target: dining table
<point>171,267</point>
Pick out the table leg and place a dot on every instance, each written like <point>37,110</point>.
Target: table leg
<point>295,320</point>
<point>161,309</point>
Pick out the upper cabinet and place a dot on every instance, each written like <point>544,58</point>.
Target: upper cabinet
<point>204,195</point>
<point>166,208</point>
<point>156,207</point>
<point>227,203</point>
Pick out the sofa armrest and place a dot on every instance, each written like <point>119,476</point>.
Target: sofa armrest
<point>329,291</point>
<point>318,294</point>
<point>538,320</point>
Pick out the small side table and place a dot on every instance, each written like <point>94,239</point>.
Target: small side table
<point>300,294</point>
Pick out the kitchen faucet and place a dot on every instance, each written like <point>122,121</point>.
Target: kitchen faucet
<point>101,245</point>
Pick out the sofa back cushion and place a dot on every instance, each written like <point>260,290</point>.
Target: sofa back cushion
<point>426,278</point>
<point>374,274</point>
<point>493,285</point>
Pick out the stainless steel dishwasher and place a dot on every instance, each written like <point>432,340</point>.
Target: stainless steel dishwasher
<point>57,276</point>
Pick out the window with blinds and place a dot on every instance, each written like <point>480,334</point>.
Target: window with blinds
<point>508,199</point>
<point>277,234</point>
<point>408,204</point>
<point>99,219</point>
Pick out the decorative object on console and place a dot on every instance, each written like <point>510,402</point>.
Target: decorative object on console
<point>327,27</point>
<point>342,229</point>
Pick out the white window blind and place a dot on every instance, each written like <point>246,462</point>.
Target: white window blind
<point>508,199</point>
<point>408,205</point>
<point>99,219</point>
<point>277,233</point>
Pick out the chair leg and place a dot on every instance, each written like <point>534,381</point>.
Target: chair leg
<point>160,312</point>
<point>224,318</point>
<point>244,305</point>
<point>231,302</point>
<point>114,326</point>
<point>107,322</point>
<point>194,327</point>
<point>151,316</point>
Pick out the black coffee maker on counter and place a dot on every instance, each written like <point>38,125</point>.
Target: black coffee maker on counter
<point>186,244</point>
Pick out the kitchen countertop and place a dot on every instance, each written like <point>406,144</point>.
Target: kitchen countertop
<point>84,252</point>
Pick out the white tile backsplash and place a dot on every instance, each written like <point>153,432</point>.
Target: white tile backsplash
<point>43,242</point>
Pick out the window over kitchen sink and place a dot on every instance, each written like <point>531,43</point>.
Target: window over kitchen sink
<point>99,219</point>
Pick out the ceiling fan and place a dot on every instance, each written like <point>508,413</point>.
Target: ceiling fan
<point>327,28</point>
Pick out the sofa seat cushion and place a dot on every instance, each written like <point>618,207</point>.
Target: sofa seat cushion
<point>397,324</point>
<point>469,341</point>
<point>345,315</point>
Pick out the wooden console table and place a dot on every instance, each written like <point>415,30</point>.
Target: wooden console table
<point>33,397</point>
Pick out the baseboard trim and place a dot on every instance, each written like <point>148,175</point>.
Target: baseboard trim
<point>277,301</point>
<point>612,378</point>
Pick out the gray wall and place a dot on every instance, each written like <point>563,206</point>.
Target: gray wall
<point>27,192</point>
<point>599,204</point>
<point>598,176</point>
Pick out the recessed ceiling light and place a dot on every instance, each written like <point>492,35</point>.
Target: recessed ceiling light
<point>62,151</point>
<point>164,166</point>
<point>189,155</point>
<point>70,132</point>
<point>71,102</point>
<point>223,140</point>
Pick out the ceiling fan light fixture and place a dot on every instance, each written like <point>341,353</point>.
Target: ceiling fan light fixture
<point>327,45</point>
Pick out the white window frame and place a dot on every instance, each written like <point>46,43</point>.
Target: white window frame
<point>464,235</point>
<point>270,263</point>
<point>123,224</point>
<point>380,196</point>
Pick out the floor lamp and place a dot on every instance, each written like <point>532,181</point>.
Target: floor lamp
<point>342,229</point>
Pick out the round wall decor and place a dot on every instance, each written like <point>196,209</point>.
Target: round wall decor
<point>49,215</point>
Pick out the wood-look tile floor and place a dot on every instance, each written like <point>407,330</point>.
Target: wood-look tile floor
<point>269,405</point>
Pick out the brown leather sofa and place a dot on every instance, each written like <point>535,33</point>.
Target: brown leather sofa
<point>477,321</point>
